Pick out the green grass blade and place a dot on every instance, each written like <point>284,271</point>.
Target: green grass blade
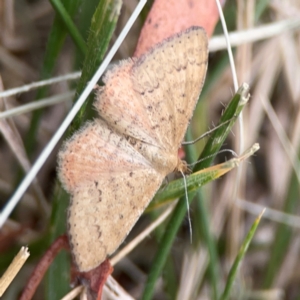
<point>58,275</point>
<point>237,261</point>
<point>202,220</point>
<point>201,225</point>
<point>103,25</point>
<point>176,188</point>
<point>218,137</point>
<point>67,20</point>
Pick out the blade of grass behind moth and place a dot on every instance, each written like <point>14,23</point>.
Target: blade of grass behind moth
<point>230,115</point>
<point>282,236</point>
<point>58,276</point>
<point>213,75</point>
<point>87,10</point>
<point>176,188</point>
<point>169,275</point>
<point>55,42</point>
<point>218,137</point>
<point>62,12</point>
<point>238,259</point>
<point>102,26</point>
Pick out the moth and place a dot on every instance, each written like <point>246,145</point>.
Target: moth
<point>113,166</point>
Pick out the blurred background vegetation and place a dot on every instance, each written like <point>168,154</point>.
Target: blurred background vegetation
<point>36,44</point>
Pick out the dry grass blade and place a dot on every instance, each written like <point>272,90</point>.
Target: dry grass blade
<point>14,140</point>
<point>13,269</point>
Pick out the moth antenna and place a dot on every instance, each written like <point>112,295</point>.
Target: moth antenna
<point>187,206</point>
<point>207,133</point>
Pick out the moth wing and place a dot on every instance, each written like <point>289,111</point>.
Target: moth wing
<point>110,185</point>
<point>95,149</point>
<point>120,105</point>
<point>162,88</point>
<point>169,80</point>
<point>107,211</point>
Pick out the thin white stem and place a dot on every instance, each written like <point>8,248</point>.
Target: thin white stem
<point>234,77</point>
<point>259,33</point>
<point>36,105</point>
<point>187,207</point>
<point>228,44</point>
<point>270,214</point>
<point>35,85</point>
